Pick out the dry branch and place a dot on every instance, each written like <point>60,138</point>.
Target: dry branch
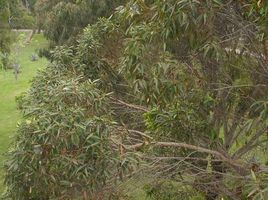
<point>136,107</point>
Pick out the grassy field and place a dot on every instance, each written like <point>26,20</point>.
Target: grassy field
<point>10,88</point>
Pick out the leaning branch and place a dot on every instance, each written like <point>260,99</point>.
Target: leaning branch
<point>251,143</point>
<point>239,167</point>
<point>180,145</point>
<point>136,107</point>
<point>140,133</point>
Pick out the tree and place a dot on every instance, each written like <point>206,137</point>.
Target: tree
<point>65,19</point>
<point>21,15</point>
<point>185,87</point>
<point>12,15</point>
<point>29,4</point>
<point>5,39</point>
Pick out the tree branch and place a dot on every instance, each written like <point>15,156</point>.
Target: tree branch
<point>140,133</point>
<point>247,147</point>
<point>239,167</point>
<point>136,107</point>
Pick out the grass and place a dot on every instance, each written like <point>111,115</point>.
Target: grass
<point>10,88</point>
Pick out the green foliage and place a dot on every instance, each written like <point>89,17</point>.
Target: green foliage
<point>24,21</point>
<point>62,151</point>
<point>258,10</point>
<point>183,121</point>
<point>9,115</point>
<point>19,17</point>
<point>5,39</point>
<point>186,73</point>
<point>168,190</point>
<point>12,15</point>
<point>29,4</point>
<point>65,19</point>
<point>257,187</point>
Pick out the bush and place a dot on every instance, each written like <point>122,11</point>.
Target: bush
<point>64,147</point>
<point>169,190</point>
<point>43,53</point>
<point>25,21</point>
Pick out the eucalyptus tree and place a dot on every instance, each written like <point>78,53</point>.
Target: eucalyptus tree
<point>63,19</point>
<point>178,85</point>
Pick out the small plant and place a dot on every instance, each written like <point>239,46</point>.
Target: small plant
<point>34,57</point>
<point>4,61</point>
<point>16,68</point>
<point>169,190</point>
<point>43,53</point>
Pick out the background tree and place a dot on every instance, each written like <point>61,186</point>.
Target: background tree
<point>29,4</point>
<point>12,15</point>
<point>5,39</point>
<point>65,18</point>
<point>21,16</point>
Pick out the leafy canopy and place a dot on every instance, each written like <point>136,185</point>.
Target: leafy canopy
<point>181,82</point>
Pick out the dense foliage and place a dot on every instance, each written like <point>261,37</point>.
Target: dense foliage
<point>20,16</point>
<point>64,19</point>
<point>5,38</point>
<point>67,152</point>
<point>12,15</point>
<point>183,83</point>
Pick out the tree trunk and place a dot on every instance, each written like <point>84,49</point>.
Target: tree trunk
<point>39,29</point>
<point>31,36</point>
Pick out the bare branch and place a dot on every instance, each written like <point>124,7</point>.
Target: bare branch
<point>181,145</point>
<point>140,133</point>
<point>136,107</point>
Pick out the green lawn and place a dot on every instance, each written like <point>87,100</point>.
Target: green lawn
<point>10,88</point>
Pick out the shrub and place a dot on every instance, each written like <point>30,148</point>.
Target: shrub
<point>64,145</point>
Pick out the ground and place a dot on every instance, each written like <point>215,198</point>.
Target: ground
<point>10,88</point>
